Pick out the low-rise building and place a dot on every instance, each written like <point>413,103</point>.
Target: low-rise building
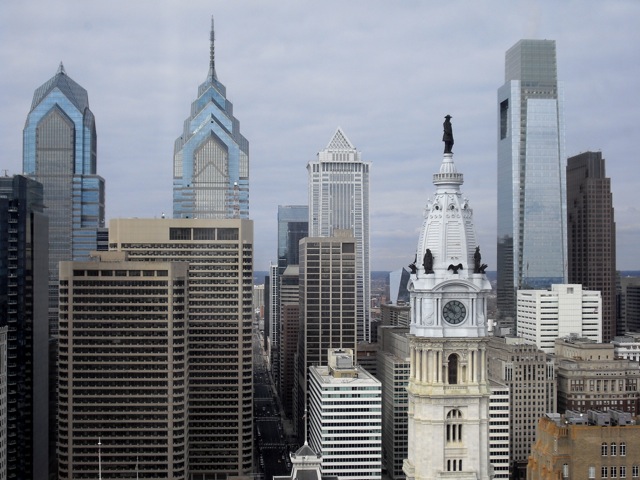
<point>590,377</point>
<point>594,445</point>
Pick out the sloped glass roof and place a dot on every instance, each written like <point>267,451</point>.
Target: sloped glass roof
<point>70,89</point>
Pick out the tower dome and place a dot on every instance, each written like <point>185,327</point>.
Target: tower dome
<point>448,260</point>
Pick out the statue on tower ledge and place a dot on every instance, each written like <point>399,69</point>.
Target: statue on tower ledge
<point>447,136</point>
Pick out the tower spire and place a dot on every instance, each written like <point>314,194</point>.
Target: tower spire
<point>212,54</point>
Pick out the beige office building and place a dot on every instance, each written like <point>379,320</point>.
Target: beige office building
<point>122,369</point>
<point>590,377</point>
<point>529,374</point>
<point>220,363</point>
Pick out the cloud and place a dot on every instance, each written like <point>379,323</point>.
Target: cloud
<point>295,71</point>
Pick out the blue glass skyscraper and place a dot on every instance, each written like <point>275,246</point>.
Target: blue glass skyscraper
<point>211,157</point>
<point>532,232</point>
<point>59,151</point>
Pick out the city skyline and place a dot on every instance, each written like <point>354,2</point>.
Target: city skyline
<point>386,76</point>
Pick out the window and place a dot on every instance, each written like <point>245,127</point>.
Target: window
<point>179,234</point>
<point>603,449</point>
<point>614,472</point>
<point>592,472</point>
<point>454,426</point>
<point>614,449</point>
<point>453,369</point>
<point>604,472</point>
<point>634,471</point>
<point>623,449</point>
<point>623,472</point>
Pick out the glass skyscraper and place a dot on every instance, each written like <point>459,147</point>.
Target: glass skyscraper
<point>339,199</point>
<point>23,310</point>
<point>59,151</point>
<point>532,232</point>
<point>211,157</point>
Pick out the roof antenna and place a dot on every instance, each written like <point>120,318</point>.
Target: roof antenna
<point>61,68</point>
<point>212,54</point>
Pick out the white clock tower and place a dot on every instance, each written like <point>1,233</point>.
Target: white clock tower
<point>448,389</point>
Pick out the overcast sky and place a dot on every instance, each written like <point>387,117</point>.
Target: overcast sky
<point>386,72</point>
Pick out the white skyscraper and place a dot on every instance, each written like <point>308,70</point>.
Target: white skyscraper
<point>544,315</point>
<point>448,389</point>
<point>339,199</point>
<point>345,418</point>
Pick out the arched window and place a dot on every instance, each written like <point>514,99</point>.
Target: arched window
<point>453,369</point>
<point>603,449</point>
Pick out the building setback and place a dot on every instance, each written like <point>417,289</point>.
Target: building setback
<point>339,199</point>
<point>532,234</point>
<point>219,339</point>
<point>211,157</point>
<point>123,368</point>
<point>24,296</point>
<point>591,233</point>
<point>345,418</point>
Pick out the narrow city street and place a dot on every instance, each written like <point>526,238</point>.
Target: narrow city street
<point>272,449</point>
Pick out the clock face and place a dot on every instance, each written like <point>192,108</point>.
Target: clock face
<point>454,312</point>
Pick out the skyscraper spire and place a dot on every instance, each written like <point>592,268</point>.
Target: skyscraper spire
<point>212,54</point>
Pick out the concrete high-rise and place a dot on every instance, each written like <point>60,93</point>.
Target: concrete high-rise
<point>346,398</point>
<point>591,233</point>
<point>289,327</point>
<point>122,385</point>
<point>448,390</point>
<point>24,295</point>
<point>339,199</point>
<point>219,338</point>
<point>327,274</point>
<point>393,372</point>
<point>544,315</point>
<point>532,233</point>
<point>211,157</point>
<point>59,151</point>
<point>529,374</point>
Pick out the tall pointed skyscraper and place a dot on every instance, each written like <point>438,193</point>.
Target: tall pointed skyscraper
<point>339,200</point>
<point>59,151</point>
<point>448,389</point>
<point>211,157</point>
<point>532,225</point>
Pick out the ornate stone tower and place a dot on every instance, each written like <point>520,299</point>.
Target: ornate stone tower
<point>448,389</point>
